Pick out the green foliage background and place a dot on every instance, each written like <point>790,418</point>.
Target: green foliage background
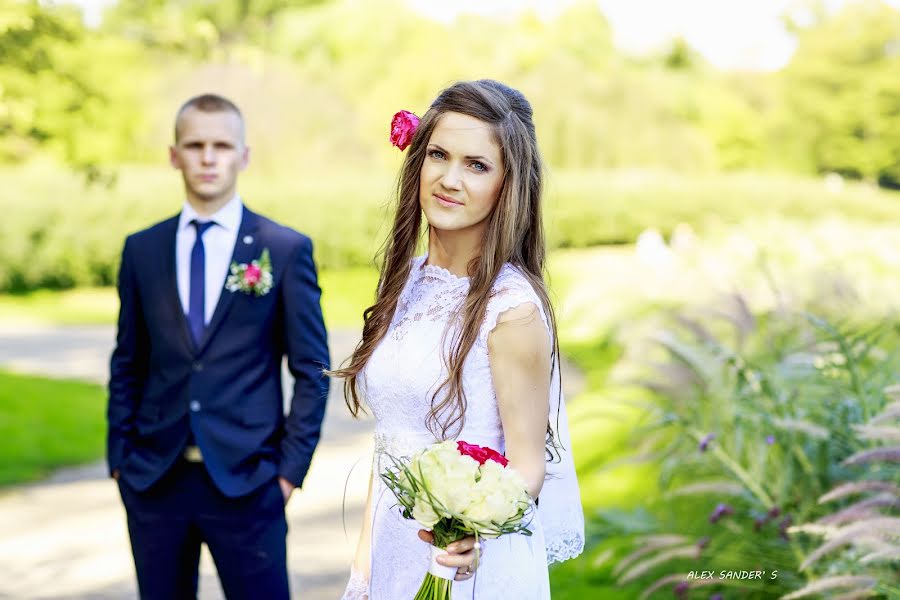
<point>86,114</point>
<point>319,81</point>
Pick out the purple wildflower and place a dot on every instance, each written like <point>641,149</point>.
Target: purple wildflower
<point>681,590</point>
<point>770,439</point>
<point>783,527</point>
<point>716,597</point>
<point>772,513</point>
<point>704,443</point>
<point>701,544</point>
<point>722,510</point>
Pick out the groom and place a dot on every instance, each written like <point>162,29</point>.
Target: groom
<point>198,438</point>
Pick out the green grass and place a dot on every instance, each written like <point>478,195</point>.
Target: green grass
<point>81,306</point>
<point>46,424</point>
<point>346,293</point>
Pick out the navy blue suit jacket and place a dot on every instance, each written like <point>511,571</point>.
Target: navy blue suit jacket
<point>227,390</point>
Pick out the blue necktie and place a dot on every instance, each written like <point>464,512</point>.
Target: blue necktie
<point>196,300</point>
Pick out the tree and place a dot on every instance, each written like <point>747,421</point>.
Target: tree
<point>199,26</point>
<point>31,39</point>
<point>842,96</point>
<point>62,89</point>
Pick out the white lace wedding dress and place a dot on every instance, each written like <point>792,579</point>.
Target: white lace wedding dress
<point>397,385</point>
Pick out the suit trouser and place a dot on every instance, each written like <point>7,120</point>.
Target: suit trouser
<point>246,536</point>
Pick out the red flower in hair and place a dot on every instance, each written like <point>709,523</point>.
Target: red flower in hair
<point>403,126</point>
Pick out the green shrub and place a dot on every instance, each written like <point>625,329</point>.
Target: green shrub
<point>57,232</point>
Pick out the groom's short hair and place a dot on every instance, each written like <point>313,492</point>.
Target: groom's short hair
<point>209,103</point>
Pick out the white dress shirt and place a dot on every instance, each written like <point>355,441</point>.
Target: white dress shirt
<point>218,246</point>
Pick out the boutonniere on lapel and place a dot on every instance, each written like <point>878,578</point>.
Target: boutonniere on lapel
<point>255,278</point>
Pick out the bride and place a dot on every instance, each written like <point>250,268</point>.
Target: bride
<point>461,344</point>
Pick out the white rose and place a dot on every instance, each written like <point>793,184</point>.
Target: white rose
<point>498,494</point>
<point>441,453</point>
<point>514,485</point>
<point>424,514</point>
<point>455,486</point>
<point>454,491</point>
<point>492,507</point>
<point>447,475</point>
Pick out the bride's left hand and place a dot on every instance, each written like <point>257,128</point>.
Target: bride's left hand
<point>464,554</point>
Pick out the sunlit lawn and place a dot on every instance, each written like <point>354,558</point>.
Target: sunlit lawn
<point>45,424</point>
<point>346,293</point>
<point>81,306</point>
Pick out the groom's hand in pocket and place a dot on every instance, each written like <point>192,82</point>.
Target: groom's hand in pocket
<point>287,489</point>
<point>464,554</point>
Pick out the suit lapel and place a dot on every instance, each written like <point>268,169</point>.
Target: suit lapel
<point>170,284</point>
<point>244,252</point>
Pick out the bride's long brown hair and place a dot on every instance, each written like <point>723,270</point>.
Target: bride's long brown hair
<point>514,235</point>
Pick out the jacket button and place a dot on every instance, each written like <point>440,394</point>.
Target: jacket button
<point>195,406</point>
<point>197,366</point>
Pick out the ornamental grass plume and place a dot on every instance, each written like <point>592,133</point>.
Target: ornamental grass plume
<point>805,431</point>
<point>828,584</point>
<point>868,525</point>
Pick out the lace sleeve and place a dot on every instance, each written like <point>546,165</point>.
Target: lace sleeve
<point>357,587</point>
<point>510,290</point>
<point>561,513</point>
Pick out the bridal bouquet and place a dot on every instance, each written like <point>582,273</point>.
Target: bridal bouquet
<point>456,490</point>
